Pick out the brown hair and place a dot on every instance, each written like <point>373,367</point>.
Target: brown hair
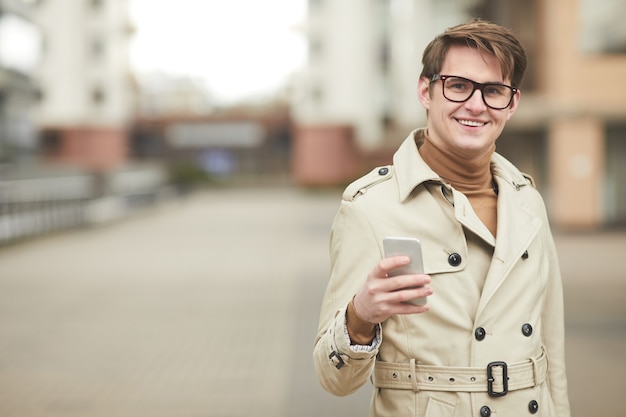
<point>482,35</point>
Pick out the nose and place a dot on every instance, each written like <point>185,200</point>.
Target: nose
<point>475,103</point>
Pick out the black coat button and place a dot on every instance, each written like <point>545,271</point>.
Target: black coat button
<point>525,255</point>
<point>485,411</point>
<point>480,333</point>
<point>527,329</point>
<point>454,259</point>
<point>533,407</point>
<point>383,171</point>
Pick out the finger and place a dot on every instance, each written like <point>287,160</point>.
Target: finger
<point>401,282</point>
<point>387,264</point>
<point>409,294</point>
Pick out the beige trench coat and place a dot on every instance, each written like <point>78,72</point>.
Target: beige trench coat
<point>494,300</point>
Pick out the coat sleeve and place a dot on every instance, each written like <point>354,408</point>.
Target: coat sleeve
<point>354,252</point>
<point>554,334</point>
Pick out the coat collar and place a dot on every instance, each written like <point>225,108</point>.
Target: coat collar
<point>411,170</point>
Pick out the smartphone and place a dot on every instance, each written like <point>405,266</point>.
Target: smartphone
<point>406,246</point>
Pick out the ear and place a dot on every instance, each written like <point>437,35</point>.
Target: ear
<point>513,107</point>
<point>423,92</point>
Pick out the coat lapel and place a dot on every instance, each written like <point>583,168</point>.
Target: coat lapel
<point>517,227</point>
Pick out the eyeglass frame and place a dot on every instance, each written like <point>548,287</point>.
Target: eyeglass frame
<point>477,86</point>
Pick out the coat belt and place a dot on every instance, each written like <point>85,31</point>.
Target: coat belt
<point>524,374</point>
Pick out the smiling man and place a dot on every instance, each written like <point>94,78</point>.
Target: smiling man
<point>494,311</point>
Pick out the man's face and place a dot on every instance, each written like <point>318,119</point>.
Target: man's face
<point>467,129</point>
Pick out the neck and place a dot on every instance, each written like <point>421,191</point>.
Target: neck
<point>463,174</point>
<point>471,177</point>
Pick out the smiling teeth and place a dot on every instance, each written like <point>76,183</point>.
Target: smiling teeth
<point>471,123</point>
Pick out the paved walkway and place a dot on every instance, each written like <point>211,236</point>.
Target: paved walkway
<point>208,307</point>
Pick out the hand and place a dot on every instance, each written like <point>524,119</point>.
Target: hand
<point>382,296</point>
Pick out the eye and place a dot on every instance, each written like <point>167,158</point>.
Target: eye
<point>458,85</point>
<point>495,90</point>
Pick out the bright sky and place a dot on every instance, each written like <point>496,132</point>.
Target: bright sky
<point>242,48</point>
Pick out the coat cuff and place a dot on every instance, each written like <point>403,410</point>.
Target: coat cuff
<point>344,345</point>
<point>360,331</point>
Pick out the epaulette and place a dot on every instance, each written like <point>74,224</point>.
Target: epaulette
<point>367,181</point>
<point>530,179</point>
<point>512,174</point>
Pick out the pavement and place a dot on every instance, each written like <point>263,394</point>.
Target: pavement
<point>207,307</point>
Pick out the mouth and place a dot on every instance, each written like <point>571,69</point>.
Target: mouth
<point>471,123</point>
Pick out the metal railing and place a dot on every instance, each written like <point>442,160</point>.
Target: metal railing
<point>37,206</point>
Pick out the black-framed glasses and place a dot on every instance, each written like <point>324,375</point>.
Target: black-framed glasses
<point>459,89</point>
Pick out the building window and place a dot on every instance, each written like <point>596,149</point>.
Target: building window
<point>615,175</point>
<point>315,47</point>
<point>97,95</point>
<point>97,48</point>
<point>50,141</point>
<point>39,95</point>
<point>317,95</point>
<point>602,27</point>
<point>385,55</point>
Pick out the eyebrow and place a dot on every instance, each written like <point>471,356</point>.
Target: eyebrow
<point>481,82</point>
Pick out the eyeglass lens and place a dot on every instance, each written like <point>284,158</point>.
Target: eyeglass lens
<point>458,89</point>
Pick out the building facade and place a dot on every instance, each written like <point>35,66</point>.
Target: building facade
<point>569,132</point>
<point>67,104</point>
<point>87,93</point>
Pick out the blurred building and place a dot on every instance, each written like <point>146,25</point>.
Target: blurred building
<point>166,94</point>
<point>67,104</point>
<point>21,44</point>
<point>87,93</point>
<point>249,144</point>
<point>201,141</point>
<point>357,99</point>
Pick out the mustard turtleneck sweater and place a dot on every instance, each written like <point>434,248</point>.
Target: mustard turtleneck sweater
<point>472,178</point>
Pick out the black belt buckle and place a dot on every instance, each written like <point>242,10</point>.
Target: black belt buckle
<point>490,379</point>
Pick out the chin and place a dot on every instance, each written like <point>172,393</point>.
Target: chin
<point>474,146</point>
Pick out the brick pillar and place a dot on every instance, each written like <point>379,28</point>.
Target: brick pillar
<point>576,162</point>
<point>324,155</point>
<point>95,148</point>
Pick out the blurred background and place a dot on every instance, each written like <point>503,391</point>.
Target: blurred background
<point>117,99</point>
<point>148,147</point>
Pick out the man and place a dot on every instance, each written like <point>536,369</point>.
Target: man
<point>490,340</point>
